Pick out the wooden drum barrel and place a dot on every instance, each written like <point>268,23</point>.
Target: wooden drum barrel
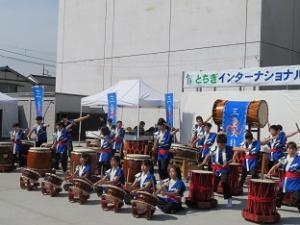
<point>39,159</point>
<point>261,203</point>
<point>6,157</point>
<point>257,114</point>
<point>75,159</point>
<point>142,147</point>
<point>132,165</point>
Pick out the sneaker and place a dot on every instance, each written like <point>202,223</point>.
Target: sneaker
<point>229,203</point>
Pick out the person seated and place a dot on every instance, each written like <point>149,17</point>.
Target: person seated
<point>141,128</point>
<point>144,181</point>
<point>291,179</point>
<point>84,170</point>
<point>173,190</point>
<point>113,176</point>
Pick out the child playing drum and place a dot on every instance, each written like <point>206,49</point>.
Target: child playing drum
<point>173,191</point>
<point>84,170</point>
<point>162,144</point>
<point>251,148</point>
<point>221,157</point>
<point>144,181</point>
<point>105,150</point>
<point>291,181</point>
<point>113,176</point>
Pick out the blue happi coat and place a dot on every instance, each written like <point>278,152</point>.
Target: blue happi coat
<point>291,181</point>
<point>205,142</point>
<point>219,157</point>
<point>251,158</point>
<point>277,147</point>
<point>164,144</point>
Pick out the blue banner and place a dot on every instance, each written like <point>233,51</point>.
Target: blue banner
<point>234,122</point>
<point>112,107</point>
<point>169,104</point>
<point>38,94</point>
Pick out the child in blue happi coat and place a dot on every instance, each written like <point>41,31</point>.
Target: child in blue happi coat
<point>17,137</point>
<point>172,191</point>
<point>291,180</point>
<point>251,148</point>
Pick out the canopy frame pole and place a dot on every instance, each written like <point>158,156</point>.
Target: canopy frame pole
<point>79,130</point>
<point>138,106</point>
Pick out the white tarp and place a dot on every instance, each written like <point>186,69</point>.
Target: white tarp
<point>9,108</point>
<point>130,93</point>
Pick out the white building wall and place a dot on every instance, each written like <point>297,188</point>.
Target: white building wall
<point>103,41</point>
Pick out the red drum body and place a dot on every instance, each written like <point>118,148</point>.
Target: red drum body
<point>132,165</point>
<point>201,190</point>
<point>39,159</point>
<point>138,147</point>
<point>233,180</point>
<point>6,157</point>
<point>261,203</point>
<point>75,159</point>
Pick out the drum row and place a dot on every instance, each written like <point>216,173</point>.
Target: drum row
<point>80,190</point>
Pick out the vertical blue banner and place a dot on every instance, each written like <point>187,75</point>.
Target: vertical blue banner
<point>234,122</point>
<point>38,94</point>
<point>169,105</point>
<point>112,107</point>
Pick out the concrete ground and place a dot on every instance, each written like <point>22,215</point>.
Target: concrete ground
<point>19,207</point>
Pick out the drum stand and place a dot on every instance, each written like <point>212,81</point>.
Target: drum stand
<point>49,189</point>
<point>26,183</point>
<point>140,209</point>
<point>111,203</point>
<point>77,196</point>
<point>212,203</point>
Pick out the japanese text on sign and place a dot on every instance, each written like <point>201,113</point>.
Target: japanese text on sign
<point>263,76</point>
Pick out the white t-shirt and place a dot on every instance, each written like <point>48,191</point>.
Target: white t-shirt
<point>143,178</point>
<point>81,170</point>
<point>171,184</point>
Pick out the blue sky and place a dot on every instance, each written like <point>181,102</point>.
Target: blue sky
<point>31,25</point>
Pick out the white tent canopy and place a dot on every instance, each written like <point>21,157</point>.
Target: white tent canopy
<point>130,93</point>
<point>9,112</point>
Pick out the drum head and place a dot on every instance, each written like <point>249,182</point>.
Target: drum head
<point>137,157</point>
<point>83,150</point>
<point>263,112</point>
<point>31,171</point>
<point>39,149</point>
<point>83,181</point>
<point>113,187</point>
<point>53,175</point>
<point>266,181</point>
<point>5,143</point>
<point>145,193</point>
<point>178,146</point>
<point>202,171</point>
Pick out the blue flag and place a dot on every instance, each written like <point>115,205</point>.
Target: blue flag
<point>112,107</point>
<point>38,94</point>
<point>234,122</point>
<point>169,105</point>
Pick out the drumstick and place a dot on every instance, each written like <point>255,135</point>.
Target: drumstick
<point>127,178</point>
<point>263,166</point>
<point>297,127</point>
